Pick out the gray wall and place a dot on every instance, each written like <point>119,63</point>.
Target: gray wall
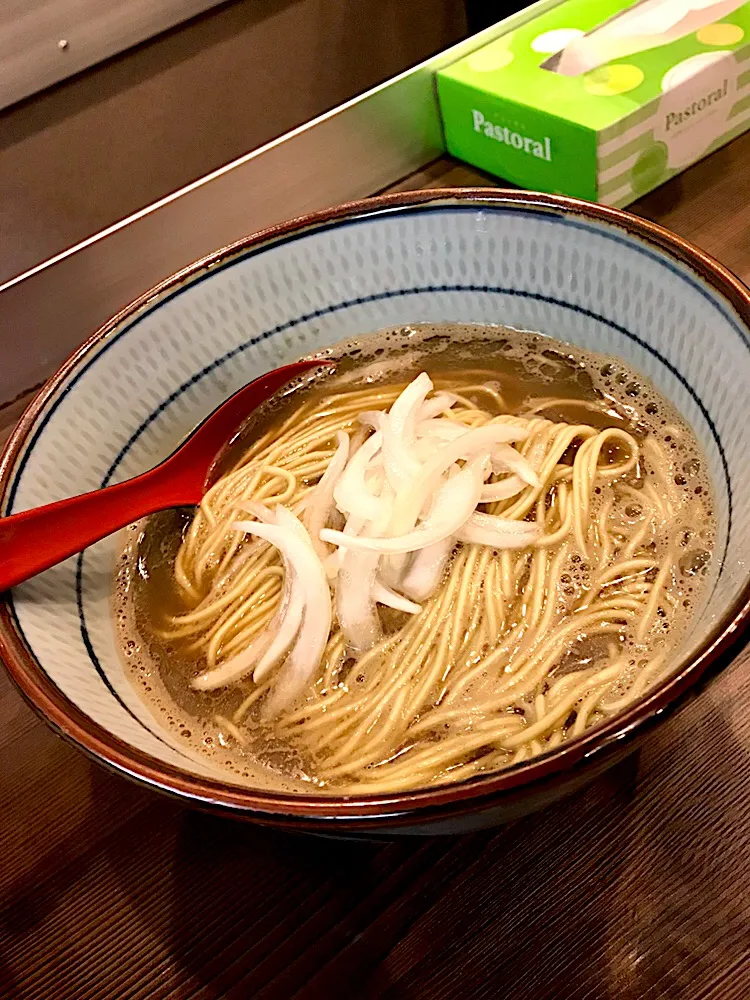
<point>43,42</point>
<point>100,146</point>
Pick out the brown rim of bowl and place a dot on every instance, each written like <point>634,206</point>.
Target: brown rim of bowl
<point>363,811</point>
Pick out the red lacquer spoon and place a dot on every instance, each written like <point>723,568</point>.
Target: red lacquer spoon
<point>34,540</point>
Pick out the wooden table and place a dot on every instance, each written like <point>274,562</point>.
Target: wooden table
<point>636,889</point>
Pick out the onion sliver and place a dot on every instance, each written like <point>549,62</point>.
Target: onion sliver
<point>370,418</point>
<point>390,599</point>
<point>351,492</point>
<point>453,504</point>
<point>259,510</point>
<point>356,606</point>
<point>399,428</point>
<point>402,464</point>
<point>406,408</point>
<point>290,537</point>
<point>443,429</point>
<point>507,459</point>
<point>355,600</point>
<point>441,402</point>
<point>499,532</point>
<point>243,663</point>
<point>319,507</point>
<point>504,490</point>
<point>288,628</point>
<point>409,503</point>
<point>425,572</point>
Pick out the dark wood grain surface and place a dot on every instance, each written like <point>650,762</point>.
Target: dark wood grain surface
<point>636,889</point>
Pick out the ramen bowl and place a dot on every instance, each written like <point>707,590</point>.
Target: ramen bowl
<point>593,276</point>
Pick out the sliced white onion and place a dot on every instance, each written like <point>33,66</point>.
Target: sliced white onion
<point>290,537</point>
<point>287,629</point>
<point>356,604</point>
<point>478,439</point>
<point>354,525</point>
<point>351,492</point>
<point>507,459</point>
<point>371,418</point>
<point>401,462</point>
<point>509,487</point>
<point>444,430</point>
<point>426,569</point>
<point>319,506</point>
<point>499,532</point>
<point>453,504</point>
<point>259,510</point>
<point>332,562</point>
<point>375,480</point>
<point>409,503</point>
<point>441,402</point>
<point>390,599</point>
<point>355,599</point>
<point>242,664</point>
<point>287,520</point>
<point>395,567</point>
<point>406,408</point>
<point>289,626</point>
<point>424,449</point>
<point>399,427</point>
<point>264,652</point>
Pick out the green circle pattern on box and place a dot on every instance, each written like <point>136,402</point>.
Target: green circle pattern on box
<point>492,57</point>
<point>649,168</point>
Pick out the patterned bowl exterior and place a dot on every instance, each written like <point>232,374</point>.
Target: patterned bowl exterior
<point>584,274</point>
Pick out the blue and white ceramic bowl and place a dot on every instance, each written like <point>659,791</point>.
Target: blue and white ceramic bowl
<point>589,275</point>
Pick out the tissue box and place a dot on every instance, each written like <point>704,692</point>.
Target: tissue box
<point>601,99</point>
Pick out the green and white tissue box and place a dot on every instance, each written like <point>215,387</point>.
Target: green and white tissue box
<point>602,99</point>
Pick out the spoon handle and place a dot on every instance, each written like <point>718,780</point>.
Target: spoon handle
<point>34,540</point>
